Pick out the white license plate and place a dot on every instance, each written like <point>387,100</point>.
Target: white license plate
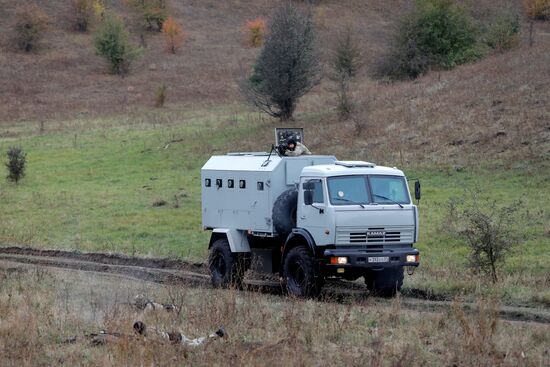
<point>379,259</point>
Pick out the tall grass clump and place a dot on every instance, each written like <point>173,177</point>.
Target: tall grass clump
<point>29,27</point>
<point>255,32</point>
<point>434,34</point>
<point>112,42</point>
<point>173,35</point>
<point>16,164</point>
<point>160,96</point>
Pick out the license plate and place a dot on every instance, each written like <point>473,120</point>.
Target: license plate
<point>379,259</point>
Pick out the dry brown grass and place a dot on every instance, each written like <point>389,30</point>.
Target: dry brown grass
<point>41,309</point>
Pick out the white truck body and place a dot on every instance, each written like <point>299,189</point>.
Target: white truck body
<point>348,219</point>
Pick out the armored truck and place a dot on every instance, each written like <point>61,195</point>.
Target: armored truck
<point>308,218</point>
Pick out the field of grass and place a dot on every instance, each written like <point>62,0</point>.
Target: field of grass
<point>42,310</point>
<point>91,186</point>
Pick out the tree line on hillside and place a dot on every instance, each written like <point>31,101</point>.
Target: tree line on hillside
<point>434,34</point>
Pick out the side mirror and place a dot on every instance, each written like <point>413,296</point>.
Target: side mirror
<point>417,192</point>
<point>309,185</point>
<point>308,197</point>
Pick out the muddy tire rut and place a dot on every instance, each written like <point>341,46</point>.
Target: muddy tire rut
<point>171,271</point>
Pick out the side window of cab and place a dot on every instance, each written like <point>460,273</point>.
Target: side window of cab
<point>317,188</point>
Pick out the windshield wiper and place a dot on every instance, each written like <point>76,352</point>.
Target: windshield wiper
<point>351,201</point>
<point>386,198</point>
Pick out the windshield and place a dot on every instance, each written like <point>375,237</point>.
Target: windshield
<point>348,190</point>
<point>389,190</point>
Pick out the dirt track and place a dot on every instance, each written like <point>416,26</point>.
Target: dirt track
<point>169,271</point>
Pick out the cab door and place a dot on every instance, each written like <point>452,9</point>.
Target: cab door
<point>318,218</point>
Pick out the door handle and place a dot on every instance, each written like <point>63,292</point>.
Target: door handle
<point>303,217</point>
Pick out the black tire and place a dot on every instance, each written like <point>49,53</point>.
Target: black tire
<point>385,282</point>
<point>226,268</point>
<point>284,212</point>
<point>299,273</point>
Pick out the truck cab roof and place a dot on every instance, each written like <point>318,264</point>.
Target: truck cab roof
<point>344,168</point>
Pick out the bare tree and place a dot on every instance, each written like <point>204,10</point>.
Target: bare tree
<point>288,65</point>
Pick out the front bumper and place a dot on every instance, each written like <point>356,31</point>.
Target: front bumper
<point>358,259</point>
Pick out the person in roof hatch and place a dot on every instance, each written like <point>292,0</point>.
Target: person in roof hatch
<point>294,148</point>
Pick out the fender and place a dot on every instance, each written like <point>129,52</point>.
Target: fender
<point>295,238</point>
<point>238,241</point>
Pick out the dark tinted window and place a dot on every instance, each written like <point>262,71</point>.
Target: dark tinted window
<point>207,182</point>
<point>230,183</point>
<point>242,184</point>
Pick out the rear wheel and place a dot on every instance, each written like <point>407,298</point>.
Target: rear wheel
<point>299,273</point>
<point>226,268</point>
<point>385,282</point>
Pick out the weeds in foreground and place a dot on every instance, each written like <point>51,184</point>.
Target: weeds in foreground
<point>262,329</point>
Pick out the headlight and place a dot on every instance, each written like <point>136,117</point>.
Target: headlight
<point>412,258</point>
<point>340,260</point>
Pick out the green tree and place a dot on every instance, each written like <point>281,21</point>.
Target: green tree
<point>436,33</point>
<point>111,42</point>
<point>288,65</point>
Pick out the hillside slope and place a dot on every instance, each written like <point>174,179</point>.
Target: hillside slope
<point>498,107</point>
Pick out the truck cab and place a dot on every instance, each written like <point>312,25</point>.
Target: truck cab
<point>308,218</point>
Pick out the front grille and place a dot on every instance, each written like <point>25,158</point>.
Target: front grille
<point>378,235</point>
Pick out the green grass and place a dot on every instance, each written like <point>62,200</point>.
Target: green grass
<point>91,188</point>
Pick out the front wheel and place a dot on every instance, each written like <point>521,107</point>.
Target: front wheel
<point>299,273</point>
<point>225,268</point>
<point>385,282</point>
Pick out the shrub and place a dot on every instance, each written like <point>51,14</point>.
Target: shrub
<point>537,9</point>
<point>502,33</point>
<point>16,163</point>
<point>345,64</point>
<point>99,9</point>
<point>255,32</point>
<point>153,12</point>
<point>489,230</point>
<point>111,42</point>
<point>288,65</point>
<point>173,34</point>
<point>30,24</point>
<point>346,59</point>
<point>436,33</point>
<point>82,14</point>
<point>160,96</point>
<point>154,18</point>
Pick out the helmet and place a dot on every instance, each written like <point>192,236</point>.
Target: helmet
<point>291,141</point>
